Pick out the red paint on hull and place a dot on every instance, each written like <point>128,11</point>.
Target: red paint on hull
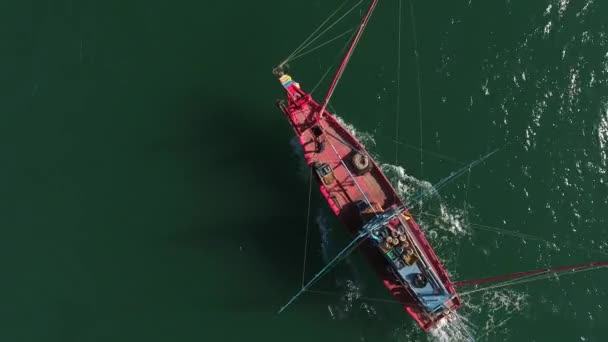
<point>343,193</point>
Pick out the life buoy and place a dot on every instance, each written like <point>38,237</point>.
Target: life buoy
<point>361,163</point>
<point>419,281</point>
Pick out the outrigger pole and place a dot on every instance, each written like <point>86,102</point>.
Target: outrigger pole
<point>351,49</point>
<point>556,270</point>
<point>365,233</point>
<point>380,220</point>
<point>351,246</point>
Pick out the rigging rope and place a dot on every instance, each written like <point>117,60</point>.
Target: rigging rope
<point>435,154</point>
<point>466,195</point>
<point>321,45</point>
<point>466,217</point>
<point>307,226</point>
<point>332,66</point>
<point>368,202</point>
<point>498,230</point>
<point>322,78</point>
<point>419,85</point>
<point>307,43</point>
<point>328,28</point>
<point>508,232</point>
<point>461,324</point>
<point>313,33</point>
<point>352,245</point>
<point>442,183</point>
<point>398,85</point>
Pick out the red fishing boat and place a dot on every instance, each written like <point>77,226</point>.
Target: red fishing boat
<point>365,201</point>
<point>357,191</point>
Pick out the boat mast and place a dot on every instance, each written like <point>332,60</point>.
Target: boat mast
<point>349,53</point>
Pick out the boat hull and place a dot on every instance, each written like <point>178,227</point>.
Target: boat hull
<point>325,141</point>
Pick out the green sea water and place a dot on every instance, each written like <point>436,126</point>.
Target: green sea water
<point>152,191</point>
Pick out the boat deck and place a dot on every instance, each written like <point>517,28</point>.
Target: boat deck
<point>326,142</point>
<point>348,187</point>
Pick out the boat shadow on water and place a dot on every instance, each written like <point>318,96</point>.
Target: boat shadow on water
<point>252,202</point>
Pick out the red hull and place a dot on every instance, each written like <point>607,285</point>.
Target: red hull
<point>343,194</point>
